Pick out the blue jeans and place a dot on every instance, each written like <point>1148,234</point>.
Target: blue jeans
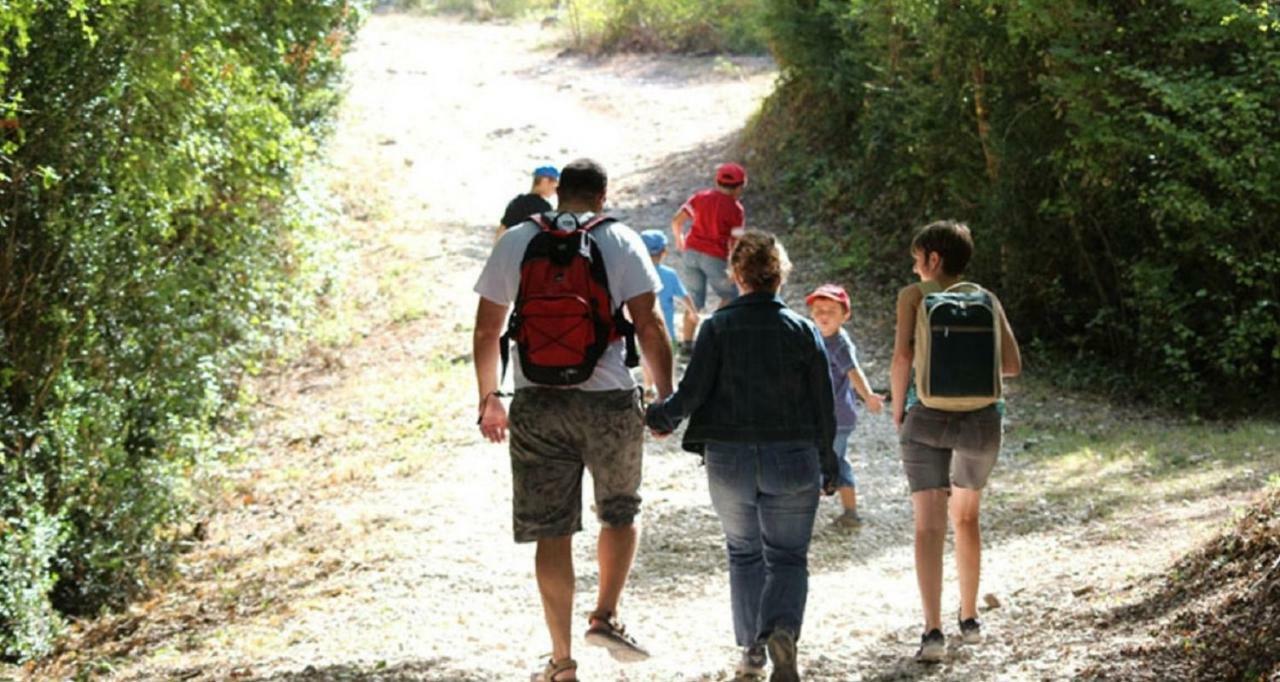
<point>766,495</point>
<point>846,478</point>
<point>702,271</point>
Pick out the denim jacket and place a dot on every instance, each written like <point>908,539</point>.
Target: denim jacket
<point>758,374</point>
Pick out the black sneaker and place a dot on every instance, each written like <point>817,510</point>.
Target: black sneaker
<point>608,632</point>
<point>752,666</point>
<point>933,647</point>
<point>970,630</point>
<point>782,650</point>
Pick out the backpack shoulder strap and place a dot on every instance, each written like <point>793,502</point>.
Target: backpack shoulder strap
<point>927,288</point>
<point>966,286</point>
<point>547,221</point>
<point>543,223</point>
<point>598,221</point>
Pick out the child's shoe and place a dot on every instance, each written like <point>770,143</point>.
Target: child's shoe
<point>848,519</point>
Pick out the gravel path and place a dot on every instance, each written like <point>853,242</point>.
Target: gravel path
<point>366,535</point>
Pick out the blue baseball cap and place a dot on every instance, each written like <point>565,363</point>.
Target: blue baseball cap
<point>655,241</point>
<point>546,172</point>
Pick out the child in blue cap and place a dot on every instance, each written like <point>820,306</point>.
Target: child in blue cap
<point>672,288</point>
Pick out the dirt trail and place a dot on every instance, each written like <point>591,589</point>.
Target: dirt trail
<point>366,534</point>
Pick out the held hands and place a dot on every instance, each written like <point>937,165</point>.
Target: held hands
<point>493,418</point>
<point>658,422</point>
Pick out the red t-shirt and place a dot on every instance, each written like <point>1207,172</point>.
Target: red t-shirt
<point>715,216</point>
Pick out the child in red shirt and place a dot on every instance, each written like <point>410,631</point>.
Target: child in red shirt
<point>718,218</point>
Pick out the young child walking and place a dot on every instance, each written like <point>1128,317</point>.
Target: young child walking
<point>718,218</point>
<point>830,309</point>
<point>672,294</point>
<point>950,435</point>
<point>757,394</point>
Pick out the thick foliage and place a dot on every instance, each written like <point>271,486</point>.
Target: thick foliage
<point>147,155</point>
<point>1118,162</point>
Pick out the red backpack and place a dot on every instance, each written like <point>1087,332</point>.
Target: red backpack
<point>564,319</point>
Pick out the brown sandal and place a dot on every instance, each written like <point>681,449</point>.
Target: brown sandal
<point>556,668</point>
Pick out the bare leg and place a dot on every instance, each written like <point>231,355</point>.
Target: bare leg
<point>848,498</point>
<point>615,551</point>
<point>554,567</point>
<point>930,508</point>
<point>964,516</point>
<point>690,326</point>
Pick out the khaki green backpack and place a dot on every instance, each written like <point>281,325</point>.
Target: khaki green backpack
<point>957,348</point>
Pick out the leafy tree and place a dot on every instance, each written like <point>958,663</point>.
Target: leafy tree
<point>147,152</point>
<point>1117,162</point>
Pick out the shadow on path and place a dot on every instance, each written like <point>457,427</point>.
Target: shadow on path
<point>418,671</point>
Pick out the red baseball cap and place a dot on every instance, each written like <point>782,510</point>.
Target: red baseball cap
<point>834,292</point>
<point>730,174</point>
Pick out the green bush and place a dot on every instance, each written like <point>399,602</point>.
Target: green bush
<point>1117,161</point>
<point>700,26</point>
<point>148,153</point>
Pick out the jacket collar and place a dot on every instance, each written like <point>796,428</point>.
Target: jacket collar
<point>757,298</point>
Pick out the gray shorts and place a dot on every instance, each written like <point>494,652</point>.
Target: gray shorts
<point>702,271</point>
<point>555,434</point>
<point>941,449</point>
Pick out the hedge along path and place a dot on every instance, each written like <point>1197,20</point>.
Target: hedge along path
<point>366,534</point>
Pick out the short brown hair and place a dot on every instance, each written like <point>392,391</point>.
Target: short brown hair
<point>582,180</point>
<point>949,239</point>
<point>760,261</point>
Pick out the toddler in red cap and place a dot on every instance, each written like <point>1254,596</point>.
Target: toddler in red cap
<point>718,219</point>
<point>829,308</point>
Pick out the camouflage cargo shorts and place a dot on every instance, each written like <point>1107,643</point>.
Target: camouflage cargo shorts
<point>555,434</point>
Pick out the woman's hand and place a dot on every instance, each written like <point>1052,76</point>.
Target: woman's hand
<point>897,417</point>
<point>493,418</point>
<point>875,403</point>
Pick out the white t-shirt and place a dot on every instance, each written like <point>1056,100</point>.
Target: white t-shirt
<point>627,265</point>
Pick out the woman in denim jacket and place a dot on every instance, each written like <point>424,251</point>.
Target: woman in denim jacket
<point>757,393</point>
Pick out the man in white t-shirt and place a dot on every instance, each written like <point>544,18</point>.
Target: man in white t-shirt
<point>556,432</point>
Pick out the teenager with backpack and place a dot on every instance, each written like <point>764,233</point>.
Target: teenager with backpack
<point>952,347</point>
<point>758,396</point>
<point>566,278</point>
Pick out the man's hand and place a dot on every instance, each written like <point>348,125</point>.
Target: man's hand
<point>875,403</point>
<point>493,418</point>
<point>486,351</point>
